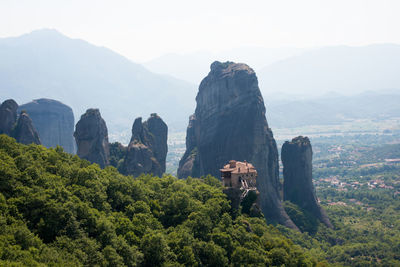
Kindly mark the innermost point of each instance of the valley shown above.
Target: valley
(363, 131)
(123, 184)
(356, 173)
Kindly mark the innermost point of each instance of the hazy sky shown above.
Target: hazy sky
(145, 29)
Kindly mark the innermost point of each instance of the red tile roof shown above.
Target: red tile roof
(241, 167)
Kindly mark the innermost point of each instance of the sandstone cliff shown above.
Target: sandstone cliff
(230, 123)
(298, 187)
(147, 150)
(24, 131)
(8, 116)
(91, 137)
(54, 121)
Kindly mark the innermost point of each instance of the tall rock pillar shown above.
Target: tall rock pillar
(229, 123)
(8, 116)
(298, 187)
(147, 150)
(91, 137)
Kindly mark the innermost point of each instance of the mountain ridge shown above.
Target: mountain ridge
(292, 70)
(343, 69)
(47, 64)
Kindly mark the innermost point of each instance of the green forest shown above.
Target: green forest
(59, 210)
(360, 190)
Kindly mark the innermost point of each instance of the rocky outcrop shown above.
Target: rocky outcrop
(24, 131)
(158, 129)
(91, 137)
(230, 123)
(21, 127)
(298, 187)
(8, 116)
(54, 121)
(147, 150)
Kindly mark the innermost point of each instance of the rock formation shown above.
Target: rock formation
(230, 123)
(54, 122)
(158, 129)
(24, 131)
(298, 187)
(8, 116)
(117, 154)
(91, 137)
(147, 150)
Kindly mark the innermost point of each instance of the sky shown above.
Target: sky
(145, 29)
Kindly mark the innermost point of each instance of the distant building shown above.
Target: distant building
(239, 175)
(239, 180)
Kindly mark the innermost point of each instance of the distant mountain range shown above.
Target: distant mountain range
(47, 64)
(341, 69)
(193, 67)
(302, 87)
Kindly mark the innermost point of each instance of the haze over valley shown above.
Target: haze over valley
(328, 85)
(210, 133)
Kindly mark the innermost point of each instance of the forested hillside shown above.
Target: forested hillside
(56, 209)
(357, 182)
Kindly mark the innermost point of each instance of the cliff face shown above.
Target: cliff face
(54, 122)
(24, 131)
(147, 150)
(91, 137)
(8, 116)
(230, 123)
(297, 172)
